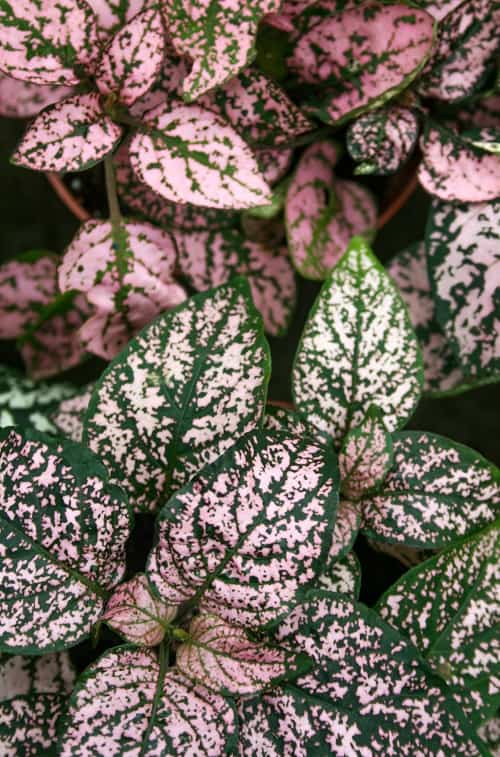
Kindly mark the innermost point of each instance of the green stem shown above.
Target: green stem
(163, 663)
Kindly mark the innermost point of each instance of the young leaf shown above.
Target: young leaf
(180, 394)
(382, 140)
(44, 43)
(343, 576)
(462, 253)
(250, 533)
(136, 614)
(448, 607)
(364, 56)
(210, 258)
(435, 492)
(72, 135)
(365, 457)
(127, 699)
(68, 415)
(24, 100)
(63, 532)
(322, 213)
(357, 349)
(189, 154)
(132, 60)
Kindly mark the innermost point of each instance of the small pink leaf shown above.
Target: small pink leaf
(365, 456)
(112, 15)
(273, 163)
(133, 58)
(136, 614)
(382, 140)
(72, 135)
(20, 99)
(221, 657)
(166, 89)
(192, 155)
(25, 287)
(68, 416)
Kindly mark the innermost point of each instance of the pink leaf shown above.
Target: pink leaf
(365, 456)
(112, 15)
(70, 136)
(133, 58)
(68, 417)
(382, 140)
(273, 163)
(20, 99)
(346, 529)
(166, 89)
(25, 287)
(192, 155)
(438, 8)
(44, 42)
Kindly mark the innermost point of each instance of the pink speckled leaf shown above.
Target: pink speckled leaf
(346, 529)
(132, 60)
(67, 417)
(210, 258)
(126, 273)
(364, 56)
(322, 213)
(180, 394)
(221, 657)
(274, 164)
(250, 533)
(342, 576)
(448, 607)
(189, 154)
(436, 491)
(357, 349)
(166, 89)
(63, 532)
(365, 457)
(113, 14)
(26, 286)
(136, 614)
(24, 100)
(72, 135)
(128, 700)
(381, 141)
(284, 420)
(368, 689)
(453, 169)
(46, 42)
(438, 8)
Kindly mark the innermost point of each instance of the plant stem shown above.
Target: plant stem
(111, 193)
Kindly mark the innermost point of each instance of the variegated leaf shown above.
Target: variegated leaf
(462, 243)
(133, 59)
(489, 733)
(436, 491)
(453, 169)
(45, 43)
(274, 163)
(368, 691)
(345, 531)
(189, 154)
(128, 700)
(210, 258)
(180, 394)
(365, 457)
(63, 532)
(381, 141)
(364, 56)
(72, 135)
(479, 112)
(357, 349)
(113, 14)
(136, 614)
(448, 607)
(24, 100)
(250, 533)
(343, 576)
(438, 9)
(167, 87)
(221, 657)
(67, 417)
(323, 213)
(284, 420)
(468, 39)
(218, 36)
(26, 286)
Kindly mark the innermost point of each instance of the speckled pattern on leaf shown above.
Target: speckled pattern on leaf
(436, 491)
(248, 535)
(345, 530)
(438, 8)
(180, 394)
(19, 99)
(357, 349)
(25, 287)
(382, 140)
(63, 538)
(365, 457)
(342, 576)
(67, 417)
(126, 697)
(112, 14)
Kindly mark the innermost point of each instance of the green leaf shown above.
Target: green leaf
(365, 457)
(343, 576)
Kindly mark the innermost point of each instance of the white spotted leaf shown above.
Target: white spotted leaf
(358, 348)
(365, 456)
(250, 533)
(342, 576)
(382, 140)
(345, 531)
(180, 394)
(63, 532)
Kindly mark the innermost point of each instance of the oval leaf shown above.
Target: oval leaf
(24, 100)
(365, 457)
(382, 140)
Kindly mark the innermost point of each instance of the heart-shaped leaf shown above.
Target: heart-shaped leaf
(250, 533)
(448, 608)
(382, 140)
(358, 348)
(462, 252)
(44, 43)
(364, 56)
(63, 532)
(435, 492)
(136, 614)
(218, 36)
(24, 100)
(343, 576)
(132, 60)
(365, 457)
(72, 135)
(210, 258)
(180, 394)
(128, 698)
(323, 213)
(68, 416)
(189, 154)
